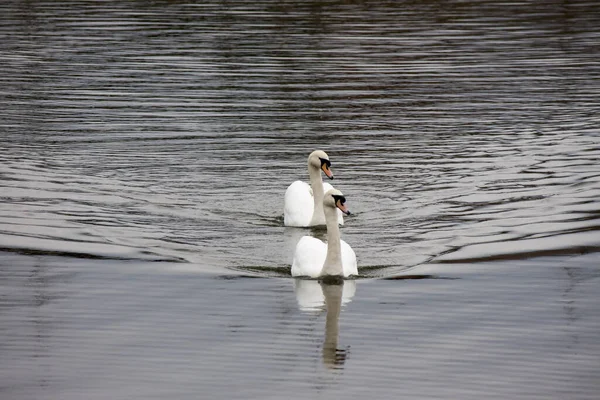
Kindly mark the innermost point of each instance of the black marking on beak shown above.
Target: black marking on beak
(339, 198)
(326, 167)
(339, 201)
(326, 162)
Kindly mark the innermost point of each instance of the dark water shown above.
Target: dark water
(145, 148)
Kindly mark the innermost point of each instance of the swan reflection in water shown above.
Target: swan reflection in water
(314, 297)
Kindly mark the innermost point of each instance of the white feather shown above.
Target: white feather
(310, 255)
(299, 204)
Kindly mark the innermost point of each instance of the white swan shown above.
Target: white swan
(313, 258)
(303, 204)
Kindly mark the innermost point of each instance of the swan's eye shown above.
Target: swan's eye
(339, 199)
(325, 162)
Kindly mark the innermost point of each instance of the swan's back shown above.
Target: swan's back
(310, 255)
(298, 205)
(349, 263)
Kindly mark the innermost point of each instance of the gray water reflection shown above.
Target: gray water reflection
(134, 330)
(313, 298)
(333, 357)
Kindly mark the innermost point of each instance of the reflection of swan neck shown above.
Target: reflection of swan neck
(316, 183)
(333, 302)
(333, 261)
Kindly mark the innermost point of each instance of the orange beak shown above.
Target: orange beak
(342, 207)
(327, 171)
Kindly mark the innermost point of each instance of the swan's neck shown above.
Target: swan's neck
(316, 183)
(333, 261)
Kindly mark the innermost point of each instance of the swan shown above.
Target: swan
(314, 258)
(303, 204)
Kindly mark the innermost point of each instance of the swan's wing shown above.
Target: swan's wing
(348, 260)
(309, 257)
(298, 205)
(326, 187)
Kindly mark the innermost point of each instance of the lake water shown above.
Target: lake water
(145, 148)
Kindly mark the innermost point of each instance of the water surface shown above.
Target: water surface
(145, 148)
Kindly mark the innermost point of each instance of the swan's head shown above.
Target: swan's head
(320, 160)
(334, 198)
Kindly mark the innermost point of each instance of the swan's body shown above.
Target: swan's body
(313, 258)
(303, 204)
(310, 256)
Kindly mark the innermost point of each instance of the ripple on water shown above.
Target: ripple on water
(181, 139)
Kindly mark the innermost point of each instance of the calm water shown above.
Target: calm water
(145, 148)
